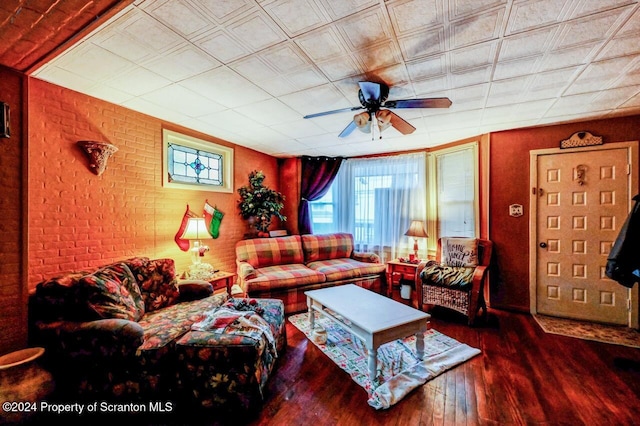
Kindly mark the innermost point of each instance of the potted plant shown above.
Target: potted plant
(259, 204)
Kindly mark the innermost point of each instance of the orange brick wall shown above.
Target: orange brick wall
(13, 311)
(80, 220)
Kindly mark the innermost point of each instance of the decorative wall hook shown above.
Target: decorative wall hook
(99, 153)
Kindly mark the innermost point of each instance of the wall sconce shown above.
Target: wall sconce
(99, 153)
(5, 130)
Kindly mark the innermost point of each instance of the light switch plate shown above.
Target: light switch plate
(516, 210)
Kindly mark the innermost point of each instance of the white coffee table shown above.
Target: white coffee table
(373, 318)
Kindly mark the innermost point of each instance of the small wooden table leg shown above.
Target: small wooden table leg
(373, 364)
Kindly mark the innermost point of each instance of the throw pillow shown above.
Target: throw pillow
(157, 280)
(111, 292)
(460, 252)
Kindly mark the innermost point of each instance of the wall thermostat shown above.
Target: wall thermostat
(516, 210)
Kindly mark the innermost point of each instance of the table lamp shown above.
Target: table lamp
(416, 230)
(195, 231)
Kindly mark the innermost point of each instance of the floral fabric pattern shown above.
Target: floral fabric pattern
(111, 292)
(157, 281)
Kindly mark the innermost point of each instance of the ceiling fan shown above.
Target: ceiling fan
(373, 97)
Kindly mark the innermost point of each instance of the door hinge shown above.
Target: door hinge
(629, 305)
(628, 169)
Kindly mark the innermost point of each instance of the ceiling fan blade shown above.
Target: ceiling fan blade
(347, 130)
(400, 124)
(419, 103)
(335, 111)
(370, 90)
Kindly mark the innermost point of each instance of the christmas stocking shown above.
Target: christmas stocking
(184, 244)
(213, 217)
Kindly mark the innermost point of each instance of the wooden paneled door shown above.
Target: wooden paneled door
(579, 200)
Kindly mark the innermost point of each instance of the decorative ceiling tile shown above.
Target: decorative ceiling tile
(256, 31)
(180, 16)
(471, 76)
(285, 57)
(422, 44)
(516, 67)
(473, 57)
(143, 28)
(226, 87)
(531, 43)
(599, 74)
(632, 26)
(590, 30)
(590, 7)
(379, 56)
(427, 68)
(182, 63)
(221, 46)
(340, 67)
(340, 8)
(223, 11)
(552, 84)
(269, 112)
(254, 68)
(528, 15)
(138, 81)
(564, 58)
(430, 87)
(93, 62)
(307, 78)
(296, 17)
(620, 46)
(322, 44)
(478, 29)
(507, 91)
(183, 100)
(408, 16)
(463, 8)
(366, 29)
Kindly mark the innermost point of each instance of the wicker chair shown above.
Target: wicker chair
(466, 299)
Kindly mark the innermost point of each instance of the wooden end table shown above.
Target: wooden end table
(397, 270)
(222, 280)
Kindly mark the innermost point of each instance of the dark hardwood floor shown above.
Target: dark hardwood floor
(523, 376)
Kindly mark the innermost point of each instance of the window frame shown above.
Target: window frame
(172, 137)
(433, 184)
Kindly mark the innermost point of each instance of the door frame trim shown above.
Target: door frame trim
(632, 152)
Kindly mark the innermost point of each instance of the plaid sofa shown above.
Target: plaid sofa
(125, 331)
(285, 267)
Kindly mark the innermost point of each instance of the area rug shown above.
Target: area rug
(399, 371)
(617, 335)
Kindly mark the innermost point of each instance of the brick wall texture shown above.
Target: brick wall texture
(80, 220)
(13, 311)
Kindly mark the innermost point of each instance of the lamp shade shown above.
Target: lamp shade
(196, 229)
(416, 229)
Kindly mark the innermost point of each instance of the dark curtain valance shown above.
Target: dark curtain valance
(317, 175)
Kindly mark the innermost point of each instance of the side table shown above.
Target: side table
(397, 270)
(222, 280)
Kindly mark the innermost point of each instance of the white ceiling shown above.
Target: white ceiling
(247, 71)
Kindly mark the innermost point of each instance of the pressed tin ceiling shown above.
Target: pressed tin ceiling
(247, 71)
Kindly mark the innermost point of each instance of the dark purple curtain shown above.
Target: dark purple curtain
(317, 175)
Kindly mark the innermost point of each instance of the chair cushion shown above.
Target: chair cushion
(438, 274)
(263, 252)
(460, 252)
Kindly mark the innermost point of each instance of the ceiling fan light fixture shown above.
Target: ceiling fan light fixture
(363, 122)
(384, 119)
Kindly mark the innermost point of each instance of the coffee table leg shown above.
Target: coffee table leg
(373, 363)
(312, 317)
(420, 345)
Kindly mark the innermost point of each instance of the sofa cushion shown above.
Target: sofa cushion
(329, 246)
(283, 276)
(262, 252)
(110, 292)
(345, 268)
(53, 298)
(164, 326)
(157, 281)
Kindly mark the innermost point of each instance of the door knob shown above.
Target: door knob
(543, 245)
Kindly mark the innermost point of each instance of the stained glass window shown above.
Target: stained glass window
(192, 163)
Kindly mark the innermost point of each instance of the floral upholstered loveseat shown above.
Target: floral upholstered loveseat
(127, 331)
(285, 267)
